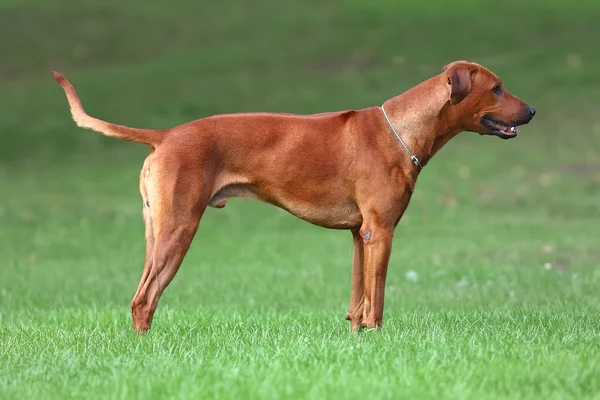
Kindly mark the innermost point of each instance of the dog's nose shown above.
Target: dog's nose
(531, 111)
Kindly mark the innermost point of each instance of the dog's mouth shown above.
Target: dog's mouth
(500, 129)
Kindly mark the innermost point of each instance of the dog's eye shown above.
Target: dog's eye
(497, 89)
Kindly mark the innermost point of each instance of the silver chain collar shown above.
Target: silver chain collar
(414, 159)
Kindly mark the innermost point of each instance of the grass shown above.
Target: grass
(474, 354)
(492, 290)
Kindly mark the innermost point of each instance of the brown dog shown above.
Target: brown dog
(351, 170)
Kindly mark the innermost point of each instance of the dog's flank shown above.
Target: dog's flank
(82, 119)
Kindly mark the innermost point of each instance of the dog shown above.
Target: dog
(354, 170)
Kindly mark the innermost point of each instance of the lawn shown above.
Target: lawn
(492, 290)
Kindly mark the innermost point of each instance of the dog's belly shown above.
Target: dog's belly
(325, 212)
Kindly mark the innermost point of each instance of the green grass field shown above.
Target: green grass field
(493, 285)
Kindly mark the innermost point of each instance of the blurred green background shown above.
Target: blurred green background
(497, 232)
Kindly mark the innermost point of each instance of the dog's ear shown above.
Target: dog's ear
(460, 77)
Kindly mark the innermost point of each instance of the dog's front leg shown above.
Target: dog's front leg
(357, 297)
(377, 249)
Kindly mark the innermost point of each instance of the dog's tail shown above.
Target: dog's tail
(82, 119)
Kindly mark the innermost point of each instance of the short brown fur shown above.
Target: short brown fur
(342, 170)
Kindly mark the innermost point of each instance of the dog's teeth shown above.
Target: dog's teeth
(512, 128)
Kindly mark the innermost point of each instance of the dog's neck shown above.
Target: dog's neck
(421, 121)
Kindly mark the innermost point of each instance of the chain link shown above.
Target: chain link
(413, 158)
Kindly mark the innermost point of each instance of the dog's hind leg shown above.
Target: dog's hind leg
(149, 232)
(176, 205)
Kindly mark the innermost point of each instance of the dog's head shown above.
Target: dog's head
(481, 104)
